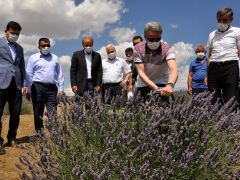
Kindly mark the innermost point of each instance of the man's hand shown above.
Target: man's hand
(24, 90)
(74, 89)
(130, 88)
(166, 91)
(205, 80)
(98, 89)
(123, 83)
(28, 96)
(60, 93)
(189, 91)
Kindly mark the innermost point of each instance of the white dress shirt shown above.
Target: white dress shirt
(88, 58)
(113, 70)
(224, 45)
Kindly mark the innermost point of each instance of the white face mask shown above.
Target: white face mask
(130, 59)
(112, 55)
(12, 37)
(200, 55)
(88, 49)
(153, 45)
(45, 50)
(222, 27)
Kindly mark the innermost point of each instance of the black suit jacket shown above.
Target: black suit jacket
(78, 70)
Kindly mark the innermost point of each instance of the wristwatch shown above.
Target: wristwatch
(170, 84)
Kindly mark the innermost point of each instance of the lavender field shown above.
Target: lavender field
(89, 139)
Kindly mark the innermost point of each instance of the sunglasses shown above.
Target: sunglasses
(153, 39)
(46, 45)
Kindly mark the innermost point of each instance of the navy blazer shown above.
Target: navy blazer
(7, 64)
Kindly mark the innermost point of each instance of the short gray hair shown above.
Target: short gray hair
(153, 26)
(225, 12)
(110, 46)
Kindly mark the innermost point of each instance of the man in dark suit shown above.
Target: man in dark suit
(86, 69)
(12, 75)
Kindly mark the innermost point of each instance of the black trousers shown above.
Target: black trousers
(114, 89)
(88, 88)
(43, 95)
(13, 96)
(223, 79)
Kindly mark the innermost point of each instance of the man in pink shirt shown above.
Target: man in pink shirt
(155, 62)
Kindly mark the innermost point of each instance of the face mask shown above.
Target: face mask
(130, 59)
(153, 45)
(88, 49)
(200, 55)
(222, 27)
(112, 55)
(45, 50)
(12, 37)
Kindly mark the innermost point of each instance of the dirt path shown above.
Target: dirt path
(8, 170)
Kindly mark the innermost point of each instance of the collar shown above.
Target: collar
(197, 61)
(45, 56)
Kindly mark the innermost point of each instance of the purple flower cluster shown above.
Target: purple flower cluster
(89, 139)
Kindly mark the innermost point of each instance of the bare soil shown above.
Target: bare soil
(8, 169)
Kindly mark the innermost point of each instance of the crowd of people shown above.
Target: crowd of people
(149, 67)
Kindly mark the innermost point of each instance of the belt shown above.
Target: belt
(220, 63)
(45, 84)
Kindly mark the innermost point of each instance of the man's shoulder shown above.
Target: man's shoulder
(120, 59)
(96, 53)
(78, 52)
(54, 56)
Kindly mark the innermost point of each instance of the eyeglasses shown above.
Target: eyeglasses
(45, 45)
(154, 39)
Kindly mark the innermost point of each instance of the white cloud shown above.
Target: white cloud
(121, 35)
(59, 19)
(184, 53)
(182, 77)
(65, 64)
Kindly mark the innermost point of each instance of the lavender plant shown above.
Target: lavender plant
(89, 139)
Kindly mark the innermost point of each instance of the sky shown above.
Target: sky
(185, 23)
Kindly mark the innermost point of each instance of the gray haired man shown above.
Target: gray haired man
(155, 63)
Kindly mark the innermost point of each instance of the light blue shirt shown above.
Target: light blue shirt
(45, 69)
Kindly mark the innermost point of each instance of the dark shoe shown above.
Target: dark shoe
(2, 150)
(1, 141)
(11, 142)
